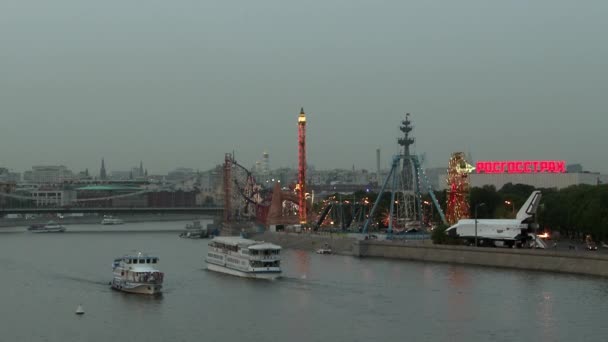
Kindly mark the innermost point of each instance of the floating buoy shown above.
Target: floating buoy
(79, 310)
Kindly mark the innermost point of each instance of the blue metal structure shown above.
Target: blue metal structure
(418, 177)
(431, 192)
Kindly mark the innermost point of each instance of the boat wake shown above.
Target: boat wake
(80, 279)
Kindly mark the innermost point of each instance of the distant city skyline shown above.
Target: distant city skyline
(181, 83)
(141, 170)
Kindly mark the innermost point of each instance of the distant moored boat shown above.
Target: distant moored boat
(109, 220)
(49, 227)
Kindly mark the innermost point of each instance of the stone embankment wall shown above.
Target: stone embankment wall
(339, 244)
(584, 262)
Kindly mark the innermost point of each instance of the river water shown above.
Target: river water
(321, 298)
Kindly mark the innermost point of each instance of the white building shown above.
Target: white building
(48, 174)
(53, 198)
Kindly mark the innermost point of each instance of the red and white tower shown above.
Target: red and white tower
(301, 186)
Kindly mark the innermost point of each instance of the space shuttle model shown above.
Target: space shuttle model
(516, 232)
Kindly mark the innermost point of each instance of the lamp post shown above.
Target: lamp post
(477, 206)
(512, 207)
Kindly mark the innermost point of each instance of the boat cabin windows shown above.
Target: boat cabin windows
(265, 252)
(255, 264)
(224, 246)
(141, 260)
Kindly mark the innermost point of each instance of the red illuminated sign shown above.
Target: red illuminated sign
(521, 166)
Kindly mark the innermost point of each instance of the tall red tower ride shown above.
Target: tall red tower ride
(301, 186)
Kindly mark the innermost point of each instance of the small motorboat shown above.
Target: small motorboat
(325, 250)
(110, 220)
(194, 230)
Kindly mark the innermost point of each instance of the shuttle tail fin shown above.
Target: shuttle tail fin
(530, 206)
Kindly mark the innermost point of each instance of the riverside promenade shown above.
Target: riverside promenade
(572, 262)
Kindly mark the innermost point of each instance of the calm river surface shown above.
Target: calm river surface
(321, 298)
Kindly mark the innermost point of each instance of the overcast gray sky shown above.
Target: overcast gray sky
(181, 82)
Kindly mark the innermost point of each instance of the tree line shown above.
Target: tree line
(574, 212)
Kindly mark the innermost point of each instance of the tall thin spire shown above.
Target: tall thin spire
(301, 186)
(102, 170)
(407, 141)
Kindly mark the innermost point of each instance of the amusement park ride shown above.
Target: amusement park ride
(408, 180)
(246, 200)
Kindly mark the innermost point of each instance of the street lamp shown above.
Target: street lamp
(477, 206)
(512, 206)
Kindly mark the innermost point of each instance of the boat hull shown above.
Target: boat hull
(253, 275)
(194, 235)
(111, 223)
(50, 230)
(139, 288)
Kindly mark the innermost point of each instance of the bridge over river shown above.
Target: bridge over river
(210, 211)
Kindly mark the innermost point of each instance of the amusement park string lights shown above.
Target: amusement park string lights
(458, 188)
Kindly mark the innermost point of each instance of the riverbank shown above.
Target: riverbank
(6, 223)
(572, 262)
(582, 262)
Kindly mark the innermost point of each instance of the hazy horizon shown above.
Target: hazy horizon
(178, 84)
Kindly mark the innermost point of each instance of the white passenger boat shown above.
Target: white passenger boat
(109, 220)
(137, 273)
(244, 258)
(50, 227)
